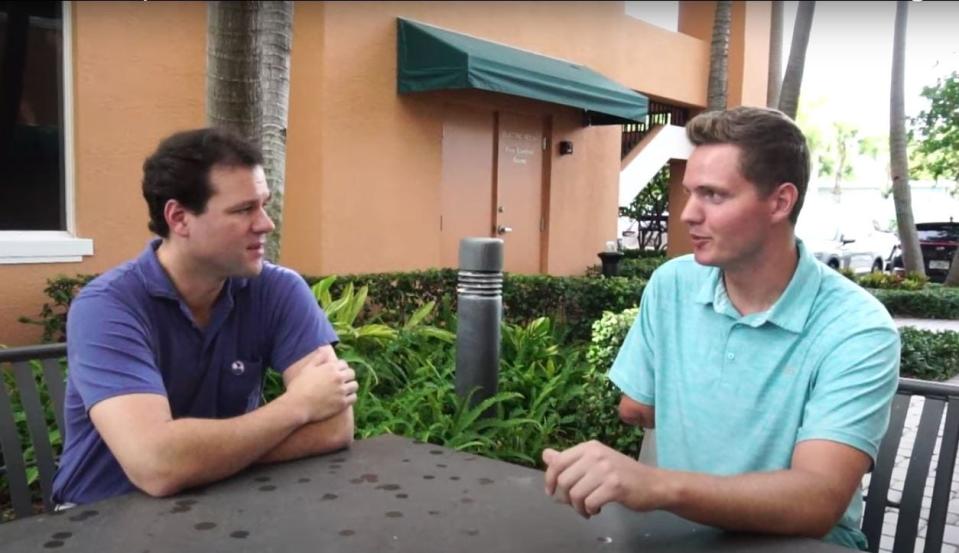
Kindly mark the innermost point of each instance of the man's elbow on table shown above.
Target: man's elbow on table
(155, 480)
(343, 435)
(159, 473)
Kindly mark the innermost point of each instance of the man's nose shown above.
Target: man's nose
(264, 223)
(691, 213)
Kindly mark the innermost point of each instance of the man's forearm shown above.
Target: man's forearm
(790, 502)
(318, 437)
(189, 452)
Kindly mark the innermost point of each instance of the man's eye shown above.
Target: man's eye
(711, 196)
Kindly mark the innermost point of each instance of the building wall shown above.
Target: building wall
(138, 75)
(363, 163)
(364, 136)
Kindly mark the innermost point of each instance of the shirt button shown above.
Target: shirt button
(730, 355)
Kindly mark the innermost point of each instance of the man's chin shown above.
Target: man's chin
(250, 270)
(704, 258)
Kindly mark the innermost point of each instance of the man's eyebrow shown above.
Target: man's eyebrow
(705, 187)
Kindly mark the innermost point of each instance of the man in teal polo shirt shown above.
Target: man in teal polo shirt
(767, 375)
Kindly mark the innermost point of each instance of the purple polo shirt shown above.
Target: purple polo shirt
(128, 332)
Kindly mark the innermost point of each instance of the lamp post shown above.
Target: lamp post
(479, 313)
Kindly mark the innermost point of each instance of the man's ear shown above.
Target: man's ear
(177, 218)
(783, 200)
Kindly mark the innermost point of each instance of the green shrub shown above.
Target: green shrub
(932, 302)
(642, 254)
(407, 373)
(887, 281)
(572, 303)
(53, 317)
(396, 295)
(929, 355)
(633, 267)
(601, 407)
(538, 404)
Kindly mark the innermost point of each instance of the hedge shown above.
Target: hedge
(573, 302)
(932, 302)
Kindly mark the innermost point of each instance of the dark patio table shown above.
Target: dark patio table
(385, 494)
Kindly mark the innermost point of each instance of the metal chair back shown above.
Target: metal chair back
(940, 412)
(20, 363)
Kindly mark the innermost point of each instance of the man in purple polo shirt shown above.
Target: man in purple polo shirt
(167, 352)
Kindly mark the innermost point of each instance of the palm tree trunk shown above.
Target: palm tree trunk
(719, 57)
(233, 91)
(902, 197)
(248, 85)
(792, 81)
(952, 277)
(774, 79)
(274, 43)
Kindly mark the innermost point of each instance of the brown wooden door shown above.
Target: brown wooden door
(519, 190)
(466, 192)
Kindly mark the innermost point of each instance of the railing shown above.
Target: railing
(659, 114)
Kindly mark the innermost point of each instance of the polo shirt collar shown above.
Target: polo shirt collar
(790, 311)
(158, 282)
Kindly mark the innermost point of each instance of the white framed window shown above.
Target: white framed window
(37, 220)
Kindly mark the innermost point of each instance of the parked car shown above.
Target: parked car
(938, 242)
(846, 242)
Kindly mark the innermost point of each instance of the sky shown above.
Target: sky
(849, 59)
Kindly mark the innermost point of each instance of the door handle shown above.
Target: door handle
(501, 229)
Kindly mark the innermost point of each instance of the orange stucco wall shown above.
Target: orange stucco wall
(350, 131)
(748, 46)
(363, 163)
(138, 75)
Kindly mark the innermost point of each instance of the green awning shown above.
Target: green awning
(430, 58)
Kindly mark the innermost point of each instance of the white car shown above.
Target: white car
(846, 243)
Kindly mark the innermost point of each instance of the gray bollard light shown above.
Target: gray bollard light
(479, 313)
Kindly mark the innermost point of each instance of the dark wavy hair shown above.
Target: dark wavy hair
(180, 170)
(772, 148)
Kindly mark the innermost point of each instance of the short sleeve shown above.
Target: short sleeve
(300, 325)
(850, 400)
(633, 370)
(108, 351)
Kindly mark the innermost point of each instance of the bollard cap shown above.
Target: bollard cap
(481, 254)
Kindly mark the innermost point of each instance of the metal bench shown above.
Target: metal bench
(21, 362)
(940, 400)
